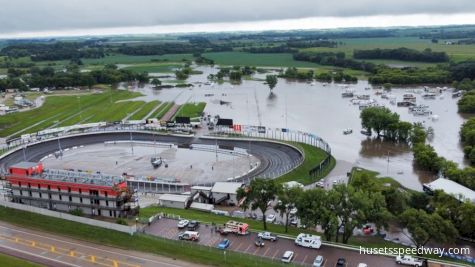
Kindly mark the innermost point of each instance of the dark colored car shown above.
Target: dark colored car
(193, 225)
(341, 262)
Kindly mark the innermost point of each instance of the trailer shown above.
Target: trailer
(237, 228)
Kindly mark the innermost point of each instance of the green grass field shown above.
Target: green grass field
(147, 108)
(182, 250)
(125, 59)
(456, 52)
(267, 60)
(65, 110)
(162, 110)
(313, 156)
(192, 110)
(9, 261)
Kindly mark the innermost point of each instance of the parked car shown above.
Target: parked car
(320, 184)
(408, 260)
(183, 223)
(368, 230)
(362, 265)
(259, 242)
(294, 222)
(193, 225)
(189, 235)
(270, 218)
(318, 262)
(267, 236)
(341, 262)
(293, 211)
(224, 244)
(288, 256)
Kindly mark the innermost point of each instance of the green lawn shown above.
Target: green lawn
(145, 110)
(313, 156)
(65, 109)
(162, 110)
(249, 59)
(192, 110)
(9, 261)
(182, 250)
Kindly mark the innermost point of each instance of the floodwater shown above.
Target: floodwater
(320, 109)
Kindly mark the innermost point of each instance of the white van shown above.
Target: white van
(308, 241)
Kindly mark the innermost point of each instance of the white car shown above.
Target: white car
(270, 218)
(408, 260)
(362, 265)
(288, 256)
(183, 223)
(267, 236)
(318, 262)
(320, 184)
(293, 211)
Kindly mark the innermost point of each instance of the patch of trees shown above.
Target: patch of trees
(463, 70)
(386, 123)
(49, 78)
(54, 51)
(234, 74)
(410, 75)
(402, 53)
(160, 49)
(466, 104)
(312, 43)
(467, 137)
(334, 59)
(294, 73)
(466, 42)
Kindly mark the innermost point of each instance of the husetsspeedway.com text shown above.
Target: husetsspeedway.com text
(414, 251)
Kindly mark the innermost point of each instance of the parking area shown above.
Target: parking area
(305, 256)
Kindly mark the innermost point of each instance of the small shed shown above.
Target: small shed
(225, 192)
(173, 201)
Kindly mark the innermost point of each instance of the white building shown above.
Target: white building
(225, 193)
(452, 188)
(173, 201)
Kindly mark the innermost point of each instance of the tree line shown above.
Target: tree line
(402, 53)
(336, 76)
(47, 77)
(54, 51)
(344, 208)
(337, 59)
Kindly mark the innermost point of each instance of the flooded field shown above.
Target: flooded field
(321, 109)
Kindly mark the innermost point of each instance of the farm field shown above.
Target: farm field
(154, 67)
(267, 60)
(455, 52)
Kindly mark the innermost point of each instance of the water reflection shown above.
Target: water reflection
(377, 147)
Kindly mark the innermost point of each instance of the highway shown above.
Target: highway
(273, 156)
(57, 251)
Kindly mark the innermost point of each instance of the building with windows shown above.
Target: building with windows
(94, 194)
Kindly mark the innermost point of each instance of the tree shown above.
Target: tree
(378, 119)
(271, 81)
(424, 227)
(258, 194)
(156, 82)
(315, 207)
(351, 207)
(288, 197)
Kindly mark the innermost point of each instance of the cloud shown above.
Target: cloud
(56, 15)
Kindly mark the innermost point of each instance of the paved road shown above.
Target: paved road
(273, 156)
(274, 250)
(60, 251)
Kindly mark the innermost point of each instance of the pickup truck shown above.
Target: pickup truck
(408, 260)
(267, 236)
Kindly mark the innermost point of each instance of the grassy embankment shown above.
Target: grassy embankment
(9, 261)
(170, 248)
(65, 110)
(164, 108)
(192, 110)
(147, 108)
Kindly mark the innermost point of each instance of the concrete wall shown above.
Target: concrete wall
(112, 226)
(172, 204)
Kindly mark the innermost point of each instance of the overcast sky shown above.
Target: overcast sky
(25, 18)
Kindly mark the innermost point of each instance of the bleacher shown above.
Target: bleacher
(81, 177)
